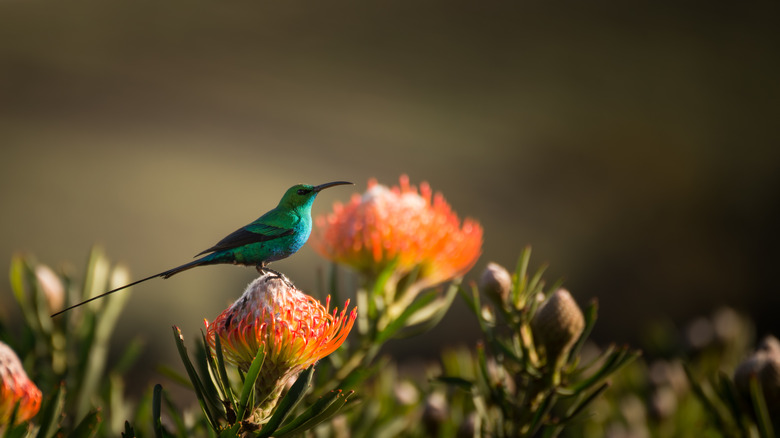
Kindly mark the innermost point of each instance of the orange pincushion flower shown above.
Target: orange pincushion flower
(398, 223)
(16, 387)
(293, 329)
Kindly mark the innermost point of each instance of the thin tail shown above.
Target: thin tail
(164, 274)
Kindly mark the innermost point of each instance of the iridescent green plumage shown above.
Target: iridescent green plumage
(277, 234)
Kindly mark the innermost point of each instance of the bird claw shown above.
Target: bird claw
(276, 274)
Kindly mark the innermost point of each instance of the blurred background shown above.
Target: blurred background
(635, 149)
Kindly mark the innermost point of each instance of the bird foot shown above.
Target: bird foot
(276, 274)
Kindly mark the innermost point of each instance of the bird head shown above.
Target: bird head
(302, 195)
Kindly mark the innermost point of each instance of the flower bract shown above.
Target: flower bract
(16, 388)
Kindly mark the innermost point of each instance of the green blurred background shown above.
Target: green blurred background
(635, 149)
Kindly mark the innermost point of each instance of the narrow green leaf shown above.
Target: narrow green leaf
(231, 432)
(13, 431)
(157, 411)
(537, 421)
(16, 431)
(88, 426)
(535, 284)
(322, 410)
(129, 431)
(398, 323)
(521, 279)
(728, 393)
(359, 375)
(697, 389)
(288, 402)
(249, 384)
(222, 372)
(207, 367)
(196, 382)
(763, 420)
(579, 407)
(97, 355)
(456, 381)
(618, 359)
(471, 302)
(50, 414)
(407, 280)
(429, 316)
(591, 315)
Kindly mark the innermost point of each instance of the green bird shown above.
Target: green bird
(273, 236)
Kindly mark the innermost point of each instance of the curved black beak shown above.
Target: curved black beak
(331, 184)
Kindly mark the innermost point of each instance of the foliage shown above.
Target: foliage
(516, 382)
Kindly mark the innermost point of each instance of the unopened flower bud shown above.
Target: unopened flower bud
(16, 387)
(770, 345)
(496, 282)
(52, 288)
(435, 413)
(557, 324)
(663, 402)
(406, 394)
(763, 365)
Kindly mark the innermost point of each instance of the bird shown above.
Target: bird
(275, 235)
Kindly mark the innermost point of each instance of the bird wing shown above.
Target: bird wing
(252, 233)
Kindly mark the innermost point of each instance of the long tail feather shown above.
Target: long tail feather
(164, 274)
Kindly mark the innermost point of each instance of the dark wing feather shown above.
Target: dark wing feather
(252, 233)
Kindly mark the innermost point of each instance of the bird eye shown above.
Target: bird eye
(303, 191)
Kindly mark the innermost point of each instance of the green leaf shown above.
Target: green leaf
(591, 315)
(17, 431)
(231, 432)
(697, 389)
(472, 300)
(49, 417)
(429, 316)
(207, 367)
(157, 411)
(537, 421)
(97, 352)
(619, 358)
(400, 322)
(322, 410)
(727, 392)
(288, 402)
(249, 384)
(763, 420)
(196, 382)
(521, 279)
(129, 431)
(222, 372)
(359, 375)
(88, 426)
(460, 382)
(579, 407)
(17, 276)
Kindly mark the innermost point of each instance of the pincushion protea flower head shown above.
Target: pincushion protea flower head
(16, 387)
(399, 224)
(293, 329)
